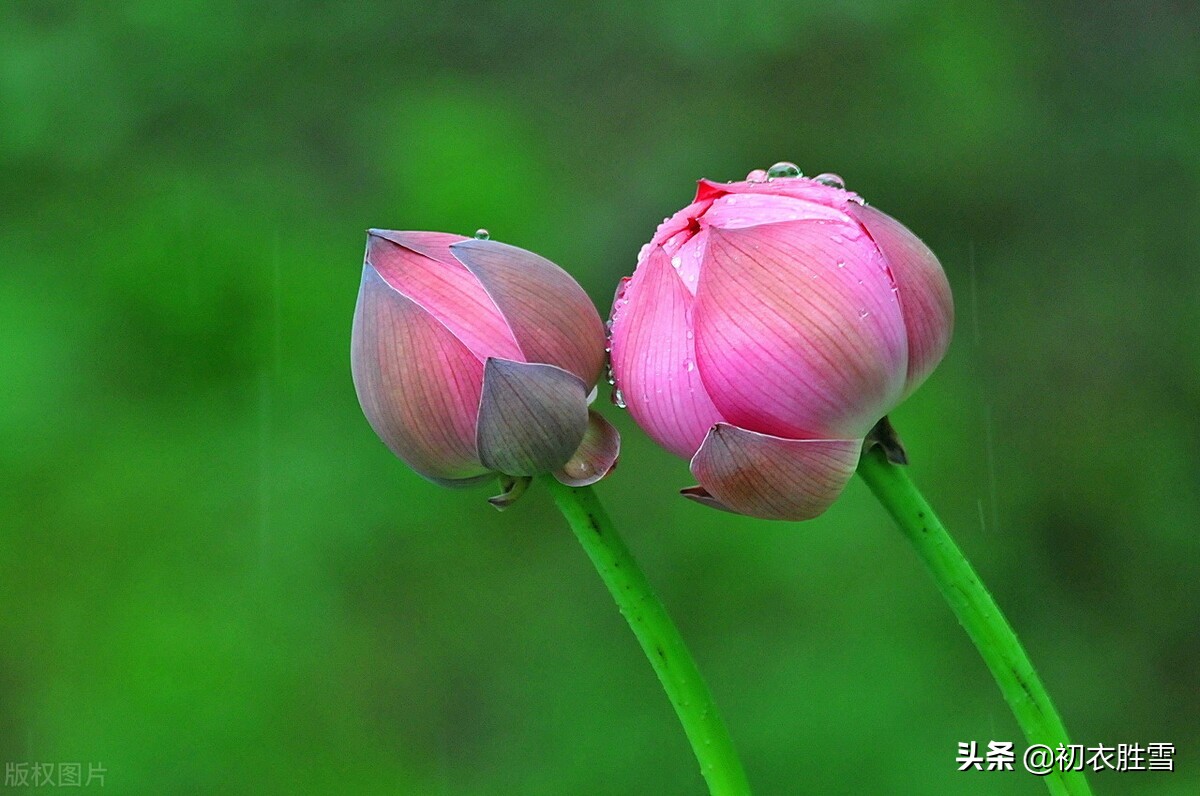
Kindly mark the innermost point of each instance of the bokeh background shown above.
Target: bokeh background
(215, 579)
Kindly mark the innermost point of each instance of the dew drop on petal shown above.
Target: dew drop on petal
(758, 175)
(579, 468)
(676, 262)
(784, 169)
(689, 366)
(832, 180)
(482, 234)
(617, 398)
(841, 264)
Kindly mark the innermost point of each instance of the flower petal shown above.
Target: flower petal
(925, 296)
(735, 210)
(699, 494)
(550, 315)
(419, 265)
(595, 457)
(797, 187)
(654, 358)
(770, 477)
(532, 417)
(798, 331)
(418, 385)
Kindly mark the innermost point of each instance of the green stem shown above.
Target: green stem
(976, 611)
(658, 636)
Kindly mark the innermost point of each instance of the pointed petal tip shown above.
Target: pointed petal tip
(698, 494)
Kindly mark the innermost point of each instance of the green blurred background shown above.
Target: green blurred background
(214, 578)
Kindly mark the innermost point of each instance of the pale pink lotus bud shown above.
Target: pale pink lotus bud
(768, 326)
(471, 358)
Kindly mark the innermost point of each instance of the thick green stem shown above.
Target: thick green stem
(976, 611)
(658, 636)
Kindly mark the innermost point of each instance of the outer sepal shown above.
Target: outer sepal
(595, 457)
(532, 417)
(772, 477)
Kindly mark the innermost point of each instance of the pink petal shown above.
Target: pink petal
(796, 187)
(595, 457)
(550, 315)
(925, 296)
(735, 210)
(770, 477)
(419, 265)
(532, 417)
(654, 358)
(418, 384)
(687, 257)
(792, 344)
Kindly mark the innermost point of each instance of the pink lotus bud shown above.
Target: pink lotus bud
(472, 357)
(768, 326)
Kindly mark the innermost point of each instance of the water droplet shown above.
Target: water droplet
(676, 262)
(689, 366)
(758, 175)
(841, 264)
(579, 468)
(482, 234)
(784, 169)
(689, 334)
(733, 200)
(832, 180)
(863, 313)
(617, 398)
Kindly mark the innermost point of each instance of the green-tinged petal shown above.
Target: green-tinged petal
(532, 417)
(512, 487)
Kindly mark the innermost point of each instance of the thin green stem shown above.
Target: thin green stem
(658, 636)
(977, 612)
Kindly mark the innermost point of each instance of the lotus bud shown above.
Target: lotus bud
(472, 358)
(767, 328)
